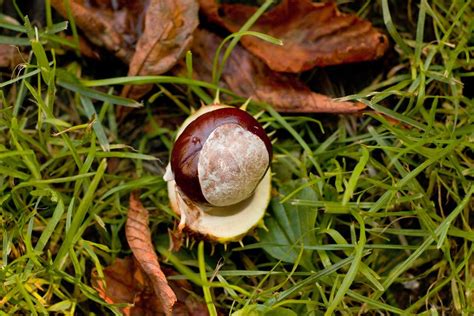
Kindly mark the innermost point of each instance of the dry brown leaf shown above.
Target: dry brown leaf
(125, 283)
(188, 304)
(139, 239)
(167, 34)
(247, 76)
(176, 238)
(115, 28)
(85, 47)
(10, 56)
(313, 34)
(150, 36)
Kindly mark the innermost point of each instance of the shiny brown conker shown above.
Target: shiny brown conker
(220, 157)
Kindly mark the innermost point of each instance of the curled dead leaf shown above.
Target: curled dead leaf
(85, 47)
(139, 239)
(247, 76)
(188, 304)
(313, 34)
(150, 36)
(114, 25)
(167, 34)
(125, 282)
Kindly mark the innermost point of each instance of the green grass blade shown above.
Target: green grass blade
(353, 270)
(17, 41)
(359, 168)
(202, 272)
(78, 217)
(97, 95)
(96, 125)
(395, 273)
(391, 28)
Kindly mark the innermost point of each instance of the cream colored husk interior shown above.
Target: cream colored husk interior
(223, 224)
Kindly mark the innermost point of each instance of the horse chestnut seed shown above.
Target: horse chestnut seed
(220, 157)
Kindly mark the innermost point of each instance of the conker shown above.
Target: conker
(220, 157)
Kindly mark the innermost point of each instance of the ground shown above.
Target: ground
(371, 212)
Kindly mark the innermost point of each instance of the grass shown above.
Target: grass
(373, 212)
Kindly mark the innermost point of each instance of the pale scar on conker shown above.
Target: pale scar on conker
(221, 157)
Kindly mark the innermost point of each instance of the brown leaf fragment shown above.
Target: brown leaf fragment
(176, 239)
(188, 303)
(149, 35)
(247, 76)
(139, 239)
(115, 25)
(10, 56)
(167, 34)
(126, 283)
(313, 34)
(86, 49)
